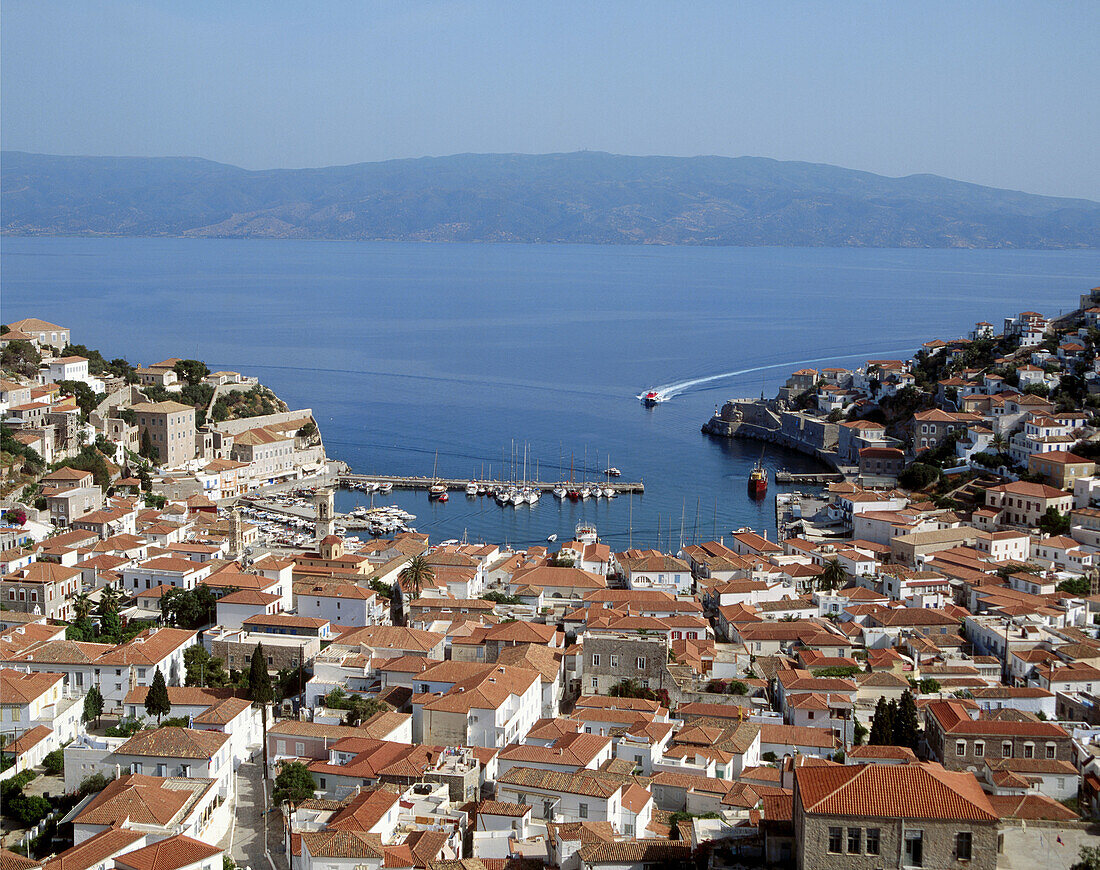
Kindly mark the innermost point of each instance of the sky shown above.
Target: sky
(997, 93)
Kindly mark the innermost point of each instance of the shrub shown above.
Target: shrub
(96, 782)
(54, 762)
(918, 476)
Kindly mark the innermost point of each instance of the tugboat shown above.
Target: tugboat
(758, 479)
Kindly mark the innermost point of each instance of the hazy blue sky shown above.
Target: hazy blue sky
(1000, 93)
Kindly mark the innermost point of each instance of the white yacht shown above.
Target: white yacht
(559, 492)
(532, 495)
(471, 488)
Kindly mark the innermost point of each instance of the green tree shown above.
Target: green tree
(54, 762)
(21, 357)
(859, 732)
(202, 668)
(93, 705)
(157, 702)
(918, 476)
(260, 691)
(93, 783)
(191, 370)
(82, 606)
(1079, 586)
(86, 397)
(906, 726)
(882, 724)
(416, 574)
(1053, 522)
(294, 784)
(833, 575)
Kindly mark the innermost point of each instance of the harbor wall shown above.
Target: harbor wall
(794, 430)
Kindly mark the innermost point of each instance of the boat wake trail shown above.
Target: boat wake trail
(668, 391)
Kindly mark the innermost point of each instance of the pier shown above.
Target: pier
(349, 481)
(822, 479)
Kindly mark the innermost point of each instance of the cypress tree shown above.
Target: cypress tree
(93, 704)
(259, 689)
(156, 701)
(882, 724)
(906, 723)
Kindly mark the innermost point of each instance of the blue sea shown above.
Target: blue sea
(405, 351)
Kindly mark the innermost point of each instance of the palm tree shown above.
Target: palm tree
(82, 606)
(416, 574)
(833, 575)
(999, 443)
(109, 599)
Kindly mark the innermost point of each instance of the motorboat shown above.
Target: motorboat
(559, 491)
(613, 472)
(551, 538)
(385, 488)
(471, 489)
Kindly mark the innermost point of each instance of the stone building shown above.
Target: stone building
(862, 817)
(608, 660)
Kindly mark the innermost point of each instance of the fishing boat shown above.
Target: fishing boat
(758, 479)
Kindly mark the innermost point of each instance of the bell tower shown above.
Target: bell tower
(324, 501)
(236, 535)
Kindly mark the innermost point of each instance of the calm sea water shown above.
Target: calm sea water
(408, 350)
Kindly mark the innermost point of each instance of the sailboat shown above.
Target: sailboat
(437, 490)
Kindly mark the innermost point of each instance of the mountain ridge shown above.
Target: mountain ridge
(570, 197)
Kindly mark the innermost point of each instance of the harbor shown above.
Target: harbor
(363, 481)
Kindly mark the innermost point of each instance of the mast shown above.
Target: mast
(683, 506)
(630, 524)
(695, 527)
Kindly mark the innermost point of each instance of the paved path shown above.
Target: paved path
(248, 838)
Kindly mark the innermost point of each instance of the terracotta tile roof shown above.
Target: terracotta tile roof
(583, 783)
(342, 844)
(223, 712)
(1031, 806)
(583, 832)
(151, 647)
(14, 861)
(96, 849)
(170, 854)
(172, 742)
(364, 811)
(143, 800)
(872, 752)
(499, 808)
(27, 740)
(911, 791)
(19, 688)
(636, 851)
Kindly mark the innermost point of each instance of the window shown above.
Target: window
(641, 663)
(836, 836)
(914, 849)
(322, 782)
(979, 749)
(855, 836)
(963, 845)
(1050, 750)
(595, 660)
(595, 683)
(614, 661)
(960, 747)
(872, 841)
(582, 811)
(1029, 750)
(300, 749)
(1006, 749)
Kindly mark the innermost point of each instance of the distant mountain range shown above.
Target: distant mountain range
(584, 197)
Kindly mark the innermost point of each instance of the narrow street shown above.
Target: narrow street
(248, 837)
